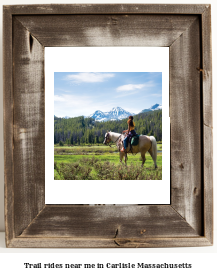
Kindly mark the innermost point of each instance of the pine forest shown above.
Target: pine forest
(81, 130)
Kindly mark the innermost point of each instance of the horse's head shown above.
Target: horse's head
(107, 138)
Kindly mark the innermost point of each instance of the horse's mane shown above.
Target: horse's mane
(115, 133)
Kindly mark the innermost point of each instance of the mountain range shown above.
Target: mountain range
(152, 108)
(117, 113)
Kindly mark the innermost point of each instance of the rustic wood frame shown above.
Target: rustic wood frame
(188, 220)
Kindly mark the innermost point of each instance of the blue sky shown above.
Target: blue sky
(82, 93)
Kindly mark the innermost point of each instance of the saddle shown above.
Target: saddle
(135, 140)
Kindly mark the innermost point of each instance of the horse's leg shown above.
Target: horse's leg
(153, 157)
(121, 156)
(143, 158)
(125, 158)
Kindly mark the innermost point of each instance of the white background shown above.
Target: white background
(203, 258)
(109, 59)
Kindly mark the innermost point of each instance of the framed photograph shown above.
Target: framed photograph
(78, 76)
(82, 163)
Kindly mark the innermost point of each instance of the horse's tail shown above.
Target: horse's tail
(153, 150)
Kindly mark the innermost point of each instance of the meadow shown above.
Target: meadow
(99, 162)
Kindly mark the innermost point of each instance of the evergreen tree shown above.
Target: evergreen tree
(80, 130)
(61, 143)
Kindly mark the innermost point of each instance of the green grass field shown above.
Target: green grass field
(102, 162)
(95, 149)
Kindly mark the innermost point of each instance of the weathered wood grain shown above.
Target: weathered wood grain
(207, 118)
(62, 242)
(207, 66)
(109, 222)
(29, 223)
(107, 30)
(208, 183)
(107, 9)
(186, 133)
(8, 125)
(29, 130)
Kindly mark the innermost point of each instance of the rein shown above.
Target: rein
(113, 142)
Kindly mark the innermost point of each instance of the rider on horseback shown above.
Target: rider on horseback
(130, 132)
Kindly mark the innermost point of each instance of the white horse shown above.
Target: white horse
(146, 144)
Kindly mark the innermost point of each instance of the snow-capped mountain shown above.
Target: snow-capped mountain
(117, 113)
(98, 115)
(152, 108)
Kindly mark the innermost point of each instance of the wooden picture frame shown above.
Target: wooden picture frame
(186, 30)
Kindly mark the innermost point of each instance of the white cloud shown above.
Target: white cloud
(126, 94)
(89, 77)
(74, 105)
(131, 87)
